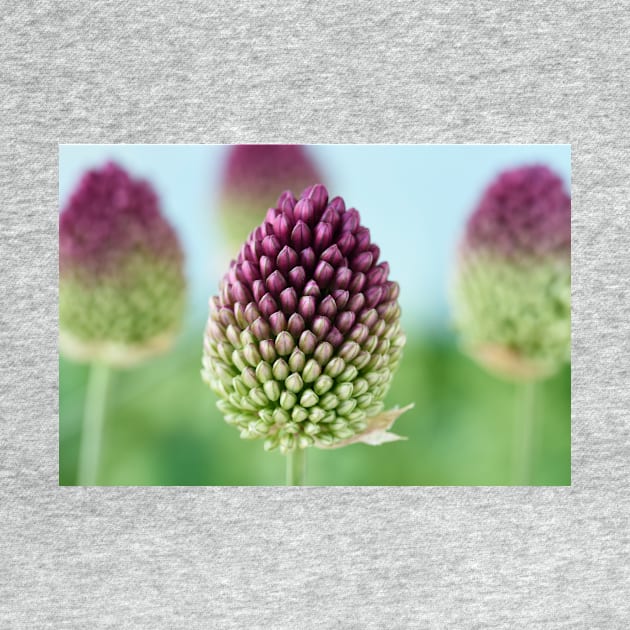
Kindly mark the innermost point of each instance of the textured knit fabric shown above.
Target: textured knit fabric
(399, 72)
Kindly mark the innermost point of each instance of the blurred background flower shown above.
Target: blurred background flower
(121, 282)
(163, 427)
(253, 177)
(512, 293)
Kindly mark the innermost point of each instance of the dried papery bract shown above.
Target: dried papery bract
(304, 337)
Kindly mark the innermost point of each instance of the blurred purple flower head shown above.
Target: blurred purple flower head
(121, 280)
(109, 216)
(524, 212)
(254, 173)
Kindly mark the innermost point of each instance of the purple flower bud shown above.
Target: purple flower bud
(343, 277)
(357, 283)
(337, 204)
(297, 278)
(335, 337)
(276, 283)
(288, 300)
(250, 272)
(260, 232)
(333, 256)
(362, 262)
(307, 306)
(271, 215)
(308, 259)
(350, 221)
(378, 275)
(309, 299)
(240, 293)
(319, 196)
(332, 217)
(286, 203)
(258, 290)
(362, 239)
(369, 318)
(321, 326)
(345, 321)
(349, 350)
(271, 246)
(356, 303)
(359, 333)
(296, 325)
(278, 322)
(267, 266)
(324, 273)
(267, 305)
(373, 296)
(328, 307)
(226, 316)
(301, 235)
(287, 259)
(308, 341)
(251, 312)
(346, 243)
(304, 211)
(312, 288)
(261, 328)
(341, 298)
(323, 236)
(254, 250)
(282, 226)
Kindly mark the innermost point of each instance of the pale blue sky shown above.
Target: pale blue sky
(414, 198)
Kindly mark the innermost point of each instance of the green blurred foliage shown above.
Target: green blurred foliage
(162, 428)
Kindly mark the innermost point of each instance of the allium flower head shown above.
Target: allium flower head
(304, 337)
(253, 175)
(121, 283)
(513, 287)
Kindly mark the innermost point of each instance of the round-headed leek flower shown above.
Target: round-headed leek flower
(304, 337)
(253, 175)
(512, 297)
(121, 282)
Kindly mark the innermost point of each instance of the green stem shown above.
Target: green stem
(523, 432)
(93, 420)
(296, 467)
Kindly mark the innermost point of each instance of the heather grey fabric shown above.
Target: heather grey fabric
(322, 557)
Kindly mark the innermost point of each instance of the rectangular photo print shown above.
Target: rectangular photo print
(316, 315)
